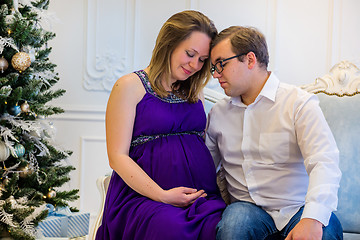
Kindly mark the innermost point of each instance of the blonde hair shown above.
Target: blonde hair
(175, 30)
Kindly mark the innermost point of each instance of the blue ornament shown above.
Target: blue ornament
(14, 110)
(19, 151)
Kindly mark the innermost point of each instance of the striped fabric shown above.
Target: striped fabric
(74, 225)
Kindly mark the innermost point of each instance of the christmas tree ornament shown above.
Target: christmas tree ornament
(49, 131)
(5, 91)
(4, 151)
(25, 171)
(51, 194)
(21, 61)
(6, 181)
(31, 51)
(3, 64)
(25, 107)
(14, 110)
(19, 151)
(9, 19)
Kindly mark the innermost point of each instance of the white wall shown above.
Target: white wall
(99, 41)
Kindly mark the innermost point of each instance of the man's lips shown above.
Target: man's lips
(222, 83)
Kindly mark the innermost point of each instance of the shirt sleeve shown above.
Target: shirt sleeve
(211, 142)
(321, 160)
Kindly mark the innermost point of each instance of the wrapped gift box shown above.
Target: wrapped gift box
(63, 223)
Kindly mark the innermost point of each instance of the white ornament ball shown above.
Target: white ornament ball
(3, 64)
(9, 19)
(32, 55)
(4, 152)
(21, 61)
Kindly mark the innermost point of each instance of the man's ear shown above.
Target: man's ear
(251, 57)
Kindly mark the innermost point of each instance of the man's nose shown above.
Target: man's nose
(216, 74)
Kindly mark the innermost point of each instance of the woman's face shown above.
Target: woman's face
(189, 56)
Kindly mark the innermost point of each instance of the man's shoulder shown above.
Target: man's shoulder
(294, 96)
(295, 91)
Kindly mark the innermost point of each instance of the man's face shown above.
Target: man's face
(234, 78)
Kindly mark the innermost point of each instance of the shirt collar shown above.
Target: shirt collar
(237, 101)
(269, 91)
(270, 88)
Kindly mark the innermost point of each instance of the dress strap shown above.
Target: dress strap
(143, 138)
(170, 98)
(145, 80)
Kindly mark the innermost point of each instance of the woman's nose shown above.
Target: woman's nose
(195, 64)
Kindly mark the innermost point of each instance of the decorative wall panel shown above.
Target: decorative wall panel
(108, 43)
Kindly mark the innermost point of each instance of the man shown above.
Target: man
(277, 150)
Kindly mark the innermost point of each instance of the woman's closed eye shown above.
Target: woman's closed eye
(202, 59)
(190, 54)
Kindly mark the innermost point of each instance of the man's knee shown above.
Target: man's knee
(241, 220)
(242, 213)
(334, 230)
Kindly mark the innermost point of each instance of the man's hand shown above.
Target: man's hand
(306, 229)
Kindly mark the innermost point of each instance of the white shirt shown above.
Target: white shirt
(277, 152)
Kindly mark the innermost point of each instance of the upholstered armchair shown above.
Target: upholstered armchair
(339, 95)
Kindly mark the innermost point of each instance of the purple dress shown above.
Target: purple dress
(167, 144)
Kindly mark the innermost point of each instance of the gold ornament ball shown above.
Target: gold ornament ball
(3, 64)
(25, 107)
(51, 194)
(25, 171)
(6, 181)
(21, 61)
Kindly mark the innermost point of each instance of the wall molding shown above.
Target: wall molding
(81, 113)
(83, 163)
(107, 53)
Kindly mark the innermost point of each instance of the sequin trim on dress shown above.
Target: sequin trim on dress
(143, 139)
(170, 98)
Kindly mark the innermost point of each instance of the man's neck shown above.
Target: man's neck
(259, 80)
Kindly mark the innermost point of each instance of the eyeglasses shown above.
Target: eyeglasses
(219, 67)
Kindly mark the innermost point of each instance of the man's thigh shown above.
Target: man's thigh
(244, 220)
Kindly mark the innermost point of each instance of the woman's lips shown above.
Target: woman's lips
(186, 71)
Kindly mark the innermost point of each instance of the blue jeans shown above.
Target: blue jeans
(244, 220)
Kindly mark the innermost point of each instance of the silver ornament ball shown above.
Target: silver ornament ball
(4, 151)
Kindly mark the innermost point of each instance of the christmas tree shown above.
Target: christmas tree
(32, 167)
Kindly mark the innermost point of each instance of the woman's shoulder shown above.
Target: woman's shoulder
(129, 85)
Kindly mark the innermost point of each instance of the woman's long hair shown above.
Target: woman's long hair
(175, 30)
